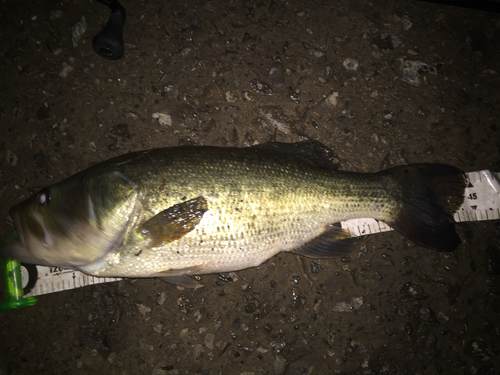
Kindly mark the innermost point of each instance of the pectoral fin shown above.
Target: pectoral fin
(174, 222)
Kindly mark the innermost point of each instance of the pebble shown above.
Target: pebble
(11, 158)
(162, 297)
(209, 341)
(294, 94)
(197, 315)
(163, 118)
(412, 71)
(158, 327)
(351, 64)
(55, 14)
(349, 305)
(231, 97)
(260, 87)
(145, 346)
(65, 70)
(120, 130)
(78, 30)
(277, 75)
(112, 357)
(316, 267)
(143, 309)
(413, 290)
(198, 350)
(332, 99)
(275, 117)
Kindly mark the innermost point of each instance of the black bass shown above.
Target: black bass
(181, 211)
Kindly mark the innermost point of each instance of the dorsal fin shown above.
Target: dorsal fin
(312, 151)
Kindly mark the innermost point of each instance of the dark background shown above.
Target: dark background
(236, 73)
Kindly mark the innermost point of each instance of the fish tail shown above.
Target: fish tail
(429, 195)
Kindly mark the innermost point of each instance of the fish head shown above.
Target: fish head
(72, 223)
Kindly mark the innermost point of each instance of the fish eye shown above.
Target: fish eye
(43, 197)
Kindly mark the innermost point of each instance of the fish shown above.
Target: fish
(175, 212)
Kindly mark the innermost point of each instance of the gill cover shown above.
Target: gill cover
(74, 222)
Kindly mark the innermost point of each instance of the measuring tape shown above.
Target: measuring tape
(482, 203)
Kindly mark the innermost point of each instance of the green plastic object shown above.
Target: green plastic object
(14, 284)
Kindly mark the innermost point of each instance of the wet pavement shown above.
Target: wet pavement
(382, 83)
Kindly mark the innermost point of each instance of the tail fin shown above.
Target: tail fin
(430, 194)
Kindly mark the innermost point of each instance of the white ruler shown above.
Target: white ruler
(482, 203)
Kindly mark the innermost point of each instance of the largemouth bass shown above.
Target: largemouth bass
(181, 211)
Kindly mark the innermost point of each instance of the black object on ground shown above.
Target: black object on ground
(108, 43)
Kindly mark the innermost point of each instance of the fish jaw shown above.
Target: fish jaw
(17, 250)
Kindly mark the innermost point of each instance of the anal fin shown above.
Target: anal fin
(334, 242)
(179, 276)
(183, 280)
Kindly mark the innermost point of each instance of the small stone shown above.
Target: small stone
(231, 97)
(11, 158)
(316, 267)
(294, 94)
(413, 290)
(260, 87)
(332, 99)
(209, 341)
(198, 350)
(120, 130)
(349, 305)
(78, 30)
(351, 64)
(162, 297)
(65, 70)
(112, 357)
(277, 75)
(143, 309)
(275, 117)
(55, 14)
(197, 316)
(163, 118)
(158, 328)
(145, 346)
(407, 24)
(412, 71)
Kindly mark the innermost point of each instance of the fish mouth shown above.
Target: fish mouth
(31, 227)
(16, 218)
